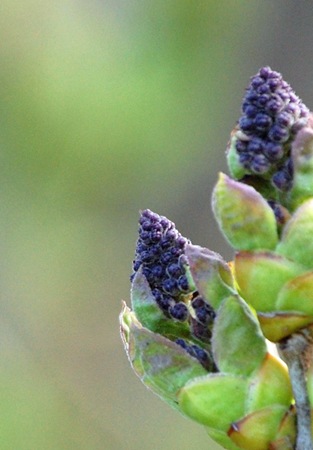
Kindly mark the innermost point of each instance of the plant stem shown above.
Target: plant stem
(296, 351)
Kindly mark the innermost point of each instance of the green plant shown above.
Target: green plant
(199, 329)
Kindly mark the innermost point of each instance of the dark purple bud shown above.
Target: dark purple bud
(169, 286)
(285, 119)
(263, 122)
(250, 110)
(198, 302)
(164, 302)
(256, 82)
(174, 270)
(260, 164)
(179, 312)
(181, 342)
(263, 89)
(157, 271)
(245, 160)
(264, 72)
(155, 236)
(255, 146)
(136, 265)
(251, 96)
(263, 100)
(246, 124)
(182, 283)
(281, 213)
(181, 242)
(282, 180)
(204, 312)
(278, 134)
(274, 105)
(241, 146)
(166, 258)
(274, 152)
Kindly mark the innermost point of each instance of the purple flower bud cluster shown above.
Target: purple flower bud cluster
(203, 356)
(272, 115)
(160, 254)
(202, 323)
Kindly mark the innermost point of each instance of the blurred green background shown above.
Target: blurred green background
(108, 107)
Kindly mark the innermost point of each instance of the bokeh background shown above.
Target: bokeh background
(108, 107)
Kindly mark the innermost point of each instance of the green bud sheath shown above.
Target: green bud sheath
(211, 274)
(244, 216)
(302, 155)
(278, 325)
(261, 275)
(236, 169)
(269, 385)
(236, 334)
(144, 305)
(215, 401)
(149, 314)
(258, 429)
(297, 242)
(286, 435)
(297, 295)
(162, 365)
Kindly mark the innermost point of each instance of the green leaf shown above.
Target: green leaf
(244, 216)
(269, 385)
(285, 438)
(211, 274)
(161, 364)
(260, 277)
(149, 314)
(238, 343)
(258, 429)
(236, 169)
(215, 401)
(297, 295)
(278, 325)
(302, 155)
(143, 303)
(297, 238)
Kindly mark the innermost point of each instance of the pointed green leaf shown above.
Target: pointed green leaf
(286, 436)
(161, 364)
(149, 314)
(302, 155)
(236, 169)
(244, 216)
(261, 275)
(238, 343)
(270, 385)
(297, 295)
(296, 242)
(211, 274)
(258, 429)
(215, 401)
(143, 303)
(278, 325)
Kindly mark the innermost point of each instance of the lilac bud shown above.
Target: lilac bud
(272, 116)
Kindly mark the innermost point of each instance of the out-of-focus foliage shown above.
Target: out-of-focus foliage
(108, 107)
